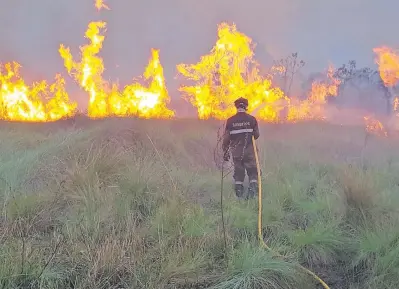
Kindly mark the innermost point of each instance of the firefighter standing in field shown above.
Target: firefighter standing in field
(238, 140)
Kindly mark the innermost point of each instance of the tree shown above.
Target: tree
(288, 67)
(349, 74)
(345, 74)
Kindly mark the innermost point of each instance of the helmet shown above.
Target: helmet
(241, 103)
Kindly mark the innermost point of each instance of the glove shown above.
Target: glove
(226, 157)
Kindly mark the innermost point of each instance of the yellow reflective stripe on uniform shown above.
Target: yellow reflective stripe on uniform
(243, 130)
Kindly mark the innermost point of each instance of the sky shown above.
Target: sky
(320, 31)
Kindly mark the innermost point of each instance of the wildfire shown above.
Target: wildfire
(227, 73)
(388, 62)
(38, 103)
(105, 98)
(374, 126)
(314, 106)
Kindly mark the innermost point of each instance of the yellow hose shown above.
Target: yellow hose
(260, 235)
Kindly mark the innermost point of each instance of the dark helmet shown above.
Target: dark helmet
(241, 103)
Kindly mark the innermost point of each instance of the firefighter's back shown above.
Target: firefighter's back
(241, 127)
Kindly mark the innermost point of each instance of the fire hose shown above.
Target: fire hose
(260, 235)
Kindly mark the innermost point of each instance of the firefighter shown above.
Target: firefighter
(238, 140)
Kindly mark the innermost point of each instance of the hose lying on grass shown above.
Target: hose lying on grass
(260, 235)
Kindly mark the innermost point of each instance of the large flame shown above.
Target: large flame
(105, 98)
(227, 73)
(38, 103)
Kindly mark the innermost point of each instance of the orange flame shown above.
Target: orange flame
(388, 65)
(374, 126)
(227, 73)
(20, 102)
(105, 98)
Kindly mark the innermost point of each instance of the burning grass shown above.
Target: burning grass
(124, 203)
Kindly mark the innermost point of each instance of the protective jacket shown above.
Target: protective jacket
(238, 139)
(238, 134)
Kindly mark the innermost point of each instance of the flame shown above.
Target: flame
(388, 65)
(105, 99)
(374, 126)
(20, 102)
(314, 106)
(227, 73)
(100, 4)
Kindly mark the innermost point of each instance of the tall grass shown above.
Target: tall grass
(124, 203)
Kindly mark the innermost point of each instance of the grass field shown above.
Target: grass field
(124, 203)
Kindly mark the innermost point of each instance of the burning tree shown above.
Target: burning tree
(388, 67)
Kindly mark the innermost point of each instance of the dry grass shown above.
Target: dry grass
(127, 203)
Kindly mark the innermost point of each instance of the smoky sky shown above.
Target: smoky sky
(183, 30)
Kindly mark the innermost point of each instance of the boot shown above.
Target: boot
(252, 190)
(239, 188)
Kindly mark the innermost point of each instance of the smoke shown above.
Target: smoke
(183, 30)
